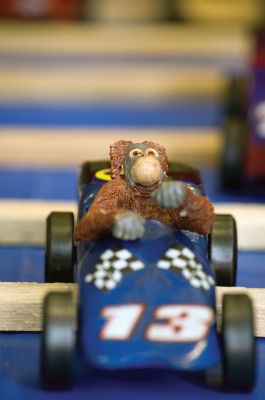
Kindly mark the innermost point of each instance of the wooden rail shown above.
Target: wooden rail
(23, 222)
(73, 38)
(60, 148)
(21, 304)
(95, 84)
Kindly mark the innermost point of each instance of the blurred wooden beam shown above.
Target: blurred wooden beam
(21, 304)
(76, 38)
(23, 222)
(238, 12)
(67, 147)
(121, 11)
(250, 220)
(101, 83)
(243, 13)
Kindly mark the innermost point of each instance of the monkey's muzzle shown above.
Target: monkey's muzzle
(146, 170)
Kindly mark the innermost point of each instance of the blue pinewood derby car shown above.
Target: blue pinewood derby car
(147, 303)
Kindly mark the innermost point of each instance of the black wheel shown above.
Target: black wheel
(60, 250)
(234, 152)
(214, 376)
(58, 341)
(222, 245)
(238, 341)
(235, 97)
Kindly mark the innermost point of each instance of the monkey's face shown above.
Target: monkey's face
(142, 165)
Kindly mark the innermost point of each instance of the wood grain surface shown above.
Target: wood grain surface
(247, 12)
(101, 83)
(21, 304)
(160, 39)
(23, 221)
(69, 147)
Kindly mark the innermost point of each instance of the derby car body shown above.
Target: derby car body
(148, 302)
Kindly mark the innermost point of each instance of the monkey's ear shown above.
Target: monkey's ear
(117, 151)
(122, 172)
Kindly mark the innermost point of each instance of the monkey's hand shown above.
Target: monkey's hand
(170, 194)
(128, 226)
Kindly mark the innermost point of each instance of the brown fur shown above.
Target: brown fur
(117, 196)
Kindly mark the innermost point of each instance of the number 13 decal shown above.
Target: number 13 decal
(174, 323)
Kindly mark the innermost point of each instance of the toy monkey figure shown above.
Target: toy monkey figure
(137, 191)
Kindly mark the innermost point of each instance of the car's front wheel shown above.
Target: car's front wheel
(238, 342)
(58, 340)
(237, 368)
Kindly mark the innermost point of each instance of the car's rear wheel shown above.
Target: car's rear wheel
(58, 341)
(60, 249)
(234, 152)
(235, 97)
(238, 342)
(214, 376)
(222, 246)
(237, 369)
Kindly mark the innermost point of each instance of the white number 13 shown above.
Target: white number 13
(174, 323)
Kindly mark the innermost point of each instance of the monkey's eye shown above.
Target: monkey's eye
(135, 153)
(151, 152)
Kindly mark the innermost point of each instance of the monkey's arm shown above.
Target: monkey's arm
(109, 214)
(196, 214)
(101, 215)
(187, 209)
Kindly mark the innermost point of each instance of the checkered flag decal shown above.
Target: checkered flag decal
(111, 266)
(181, 259)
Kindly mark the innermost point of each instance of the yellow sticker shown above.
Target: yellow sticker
(103, 174)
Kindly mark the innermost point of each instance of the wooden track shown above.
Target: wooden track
(242, 13)
(76, 81)
(21, 304)
(103, 83)
(67, 147)
(250, 223)
(247, 12)
(76, 38)
(23, 222)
